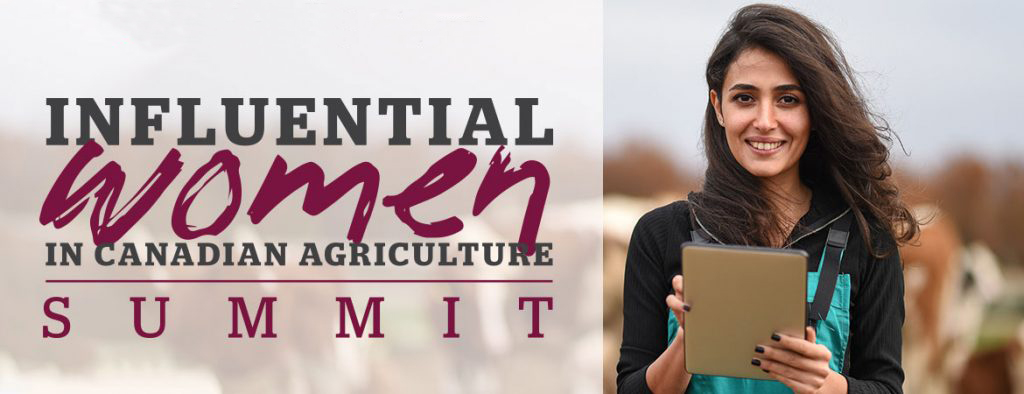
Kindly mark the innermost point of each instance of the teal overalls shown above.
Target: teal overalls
(830, 316)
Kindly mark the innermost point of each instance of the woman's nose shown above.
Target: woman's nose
(766, 117)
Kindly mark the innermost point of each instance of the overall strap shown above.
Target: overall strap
(696, 237)
(838, 234)
(697, 233)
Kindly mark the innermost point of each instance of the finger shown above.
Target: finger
(677, 305)
(811, 335)
(802, 346)
(797, 387)
(677, 284)
(787, 357)
(798, 378)
(794, 385)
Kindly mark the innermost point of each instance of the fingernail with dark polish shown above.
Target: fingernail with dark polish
(759, 349)
(765, 370)
(776, 337)
(686, 307)
(755, 362)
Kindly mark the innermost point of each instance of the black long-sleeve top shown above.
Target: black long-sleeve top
(872, 363)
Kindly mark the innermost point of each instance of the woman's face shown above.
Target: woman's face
(764, 112)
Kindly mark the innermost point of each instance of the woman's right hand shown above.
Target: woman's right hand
(668, 374)
(675, 301)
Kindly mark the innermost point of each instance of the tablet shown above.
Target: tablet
(740, 296)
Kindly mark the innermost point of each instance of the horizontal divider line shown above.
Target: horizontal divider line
(299, 281)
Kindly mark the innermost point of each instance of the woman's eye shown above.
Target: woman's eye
(788, 100)
(743, 98)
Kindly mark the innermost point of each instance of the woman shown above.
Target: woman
(793, 156)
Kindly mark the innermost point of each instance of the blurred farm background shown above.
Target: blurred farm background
(935, 72)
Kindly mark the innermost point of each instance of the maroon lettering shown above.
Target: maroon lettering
(349, 310)
(62, 206)
(451, 317)
(137, 303)
(535, 308)
(498, 180)
(252, 324)
(280, 183)
(440, 177)
(108, 225)
(224, 162)
(56, 316)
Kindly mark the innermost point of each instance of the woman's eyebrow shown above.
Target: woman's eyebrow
(746, 86)
(743, 86)
(788, 87)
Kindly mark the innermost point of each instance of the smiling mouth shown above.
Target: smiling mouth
(765, 147)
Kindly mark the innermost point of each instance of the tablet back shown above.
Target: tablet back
(740, 296)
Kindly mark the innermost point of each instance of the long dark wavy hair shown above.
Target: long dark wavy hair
(848, 148)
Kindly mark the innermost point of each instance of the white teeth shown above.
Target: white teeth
(765, 145)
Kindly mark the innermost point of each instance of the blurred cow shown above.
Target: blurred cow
(948, 286)
(996, 371)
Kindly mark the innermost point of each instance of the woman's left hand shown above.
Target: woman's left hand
(802, 365)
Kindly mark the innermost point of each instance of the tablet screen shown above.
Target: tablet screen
(740, 297)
